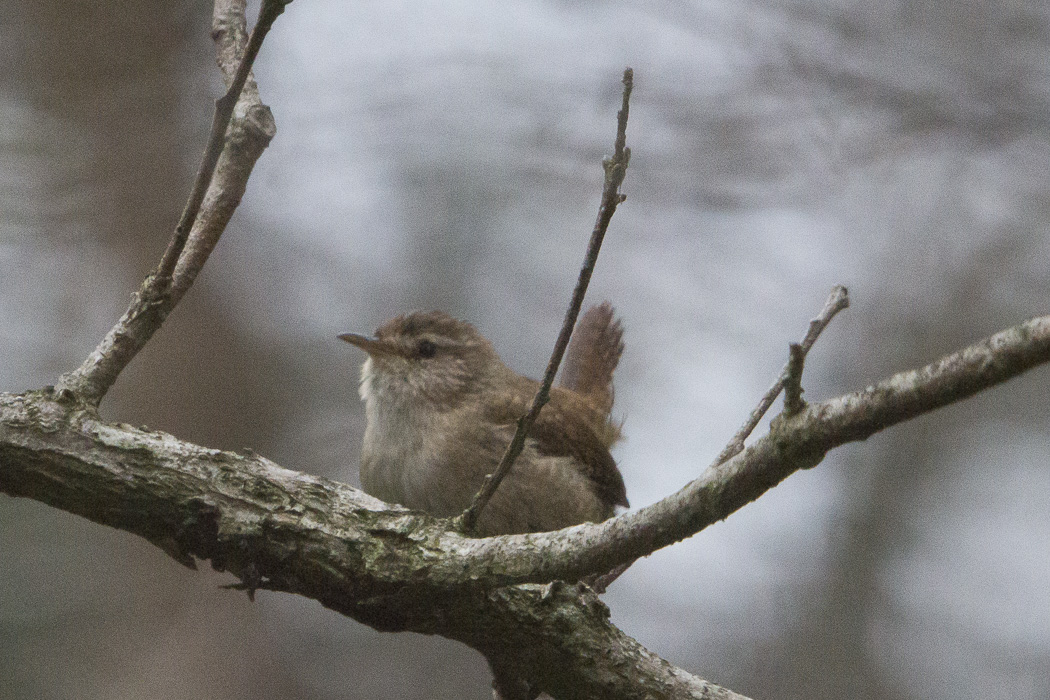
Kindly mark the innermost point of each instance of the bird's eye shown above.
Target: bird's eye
(426, 348)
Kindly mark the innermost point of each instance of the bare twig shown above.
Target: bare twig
(615, 170)
(233, 148)
(837, 301)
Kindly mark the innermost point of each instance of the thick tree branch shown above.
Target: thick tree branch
(276, 529)
(398, 570)
(317, 537)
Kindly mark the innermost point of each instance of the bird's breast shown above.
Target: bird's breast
(405, 457)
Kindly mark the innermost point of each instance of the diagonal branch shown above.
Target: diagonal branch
(268, 13)
(794, 442)
(615, 170)
(205, 234)
(234, 146)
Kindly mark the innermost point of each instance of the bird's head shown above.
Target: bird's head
(425, 356)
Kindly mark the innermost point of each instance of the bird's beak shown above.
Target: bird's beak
(373, 346)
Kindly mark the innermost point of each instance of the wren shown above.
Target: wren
(441, 408)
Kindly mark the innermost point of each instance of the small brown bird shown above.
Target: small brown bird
(441, 409)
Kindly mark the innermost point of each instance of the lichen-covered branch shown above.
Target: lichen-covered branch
(561, 633)
(280, 530)
(398, 570)
(56, 451)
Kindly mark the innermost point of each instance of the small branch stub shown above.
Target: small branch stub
(793, 402)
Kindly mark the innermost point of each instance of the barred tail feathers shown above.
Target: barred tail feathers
(593, 355)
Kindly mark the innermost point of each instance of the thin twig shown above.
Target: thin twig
(159, 293)
(615, 170)
(837, 301)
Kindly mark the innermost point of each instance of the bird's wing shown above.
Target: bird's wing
(564, 429)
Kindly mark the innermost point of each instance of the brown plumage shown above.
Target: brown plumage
(592, 356)
(442, 407)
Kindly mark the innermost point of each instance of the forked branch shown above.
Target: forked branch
(233, 147)
(837, 301)
(790, 379)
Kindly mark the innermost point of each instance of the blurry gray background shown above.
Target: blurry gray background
(447, 154)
